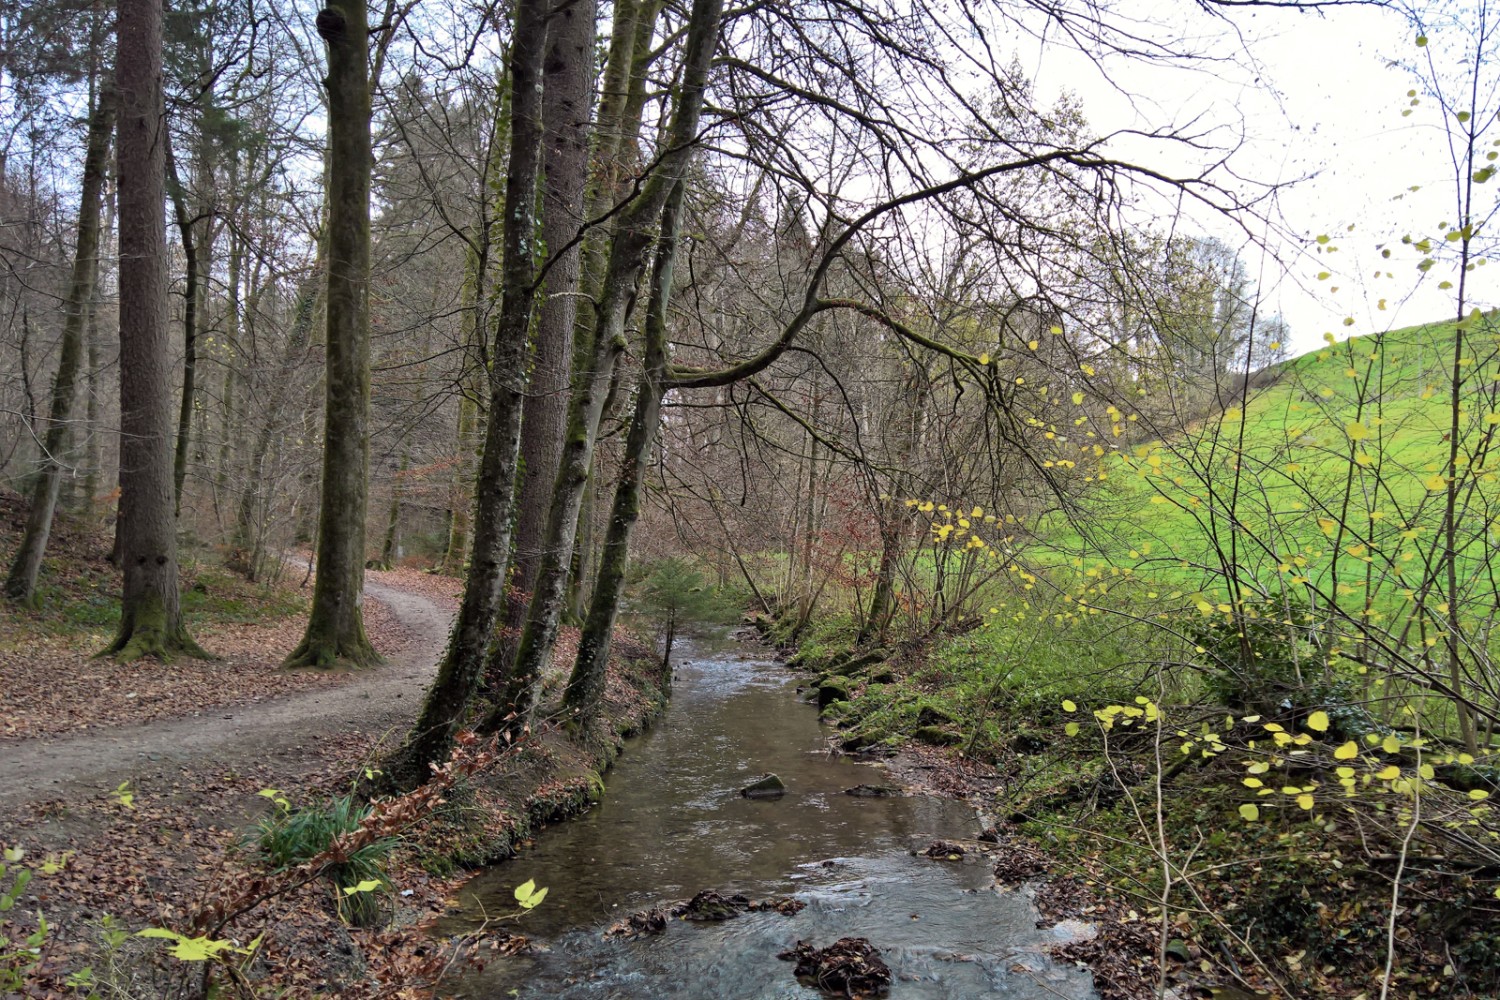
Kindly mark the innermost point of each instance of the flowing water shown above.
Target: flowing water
(672, 822)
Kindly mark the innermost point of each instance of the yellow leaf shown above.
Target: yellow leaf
(1077, 399)
(1249, 812)
(1318, 722)
(1348, 751)
(1479, 794)
(1328, 524)
(984, 358)
(1434, 483)
(1391, 743)
(1068, 706)
(1356, 431)
(1305, 801)
(1388, 773)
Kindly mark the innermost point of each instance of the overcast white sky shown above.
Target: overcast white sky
(1322, 101)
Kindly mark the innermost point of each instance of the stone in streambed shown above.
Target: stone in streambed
(768, 787)
(873, 791)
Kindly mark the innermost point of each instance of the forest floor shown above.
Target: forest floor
(95, 723)
(146, 778)
(135, 790)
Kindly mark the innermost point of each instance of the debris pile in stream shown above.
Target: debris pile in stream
(850, 967)
(652, 921)
(944, 850)
(708, 905)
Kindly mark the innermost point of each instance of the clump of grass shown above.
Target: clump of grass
(291, 837)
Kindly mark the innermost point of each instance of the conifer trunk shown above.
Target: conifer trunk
(151, 613)
(567, 91)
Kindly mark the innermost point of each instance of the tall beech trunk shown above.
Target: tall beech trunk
(633, 237)
(616, 149)
(94, 449)
(193, 312)
(151, 612)
(248, 534)
(446, 706)
(567, 93)
(476, 264)
(335, 627)
(586, 686)
(20, 584)
(235, 265)
(392, 541)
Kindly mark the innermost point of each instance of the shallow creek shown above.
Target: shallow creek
(672, 822)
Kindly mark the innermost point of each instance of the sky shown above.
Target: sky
(1320, 103)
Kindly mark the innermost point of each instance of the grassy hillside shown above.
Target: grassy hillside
(1329, 483)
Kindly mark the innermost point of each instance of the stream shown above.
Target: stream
(672, 822)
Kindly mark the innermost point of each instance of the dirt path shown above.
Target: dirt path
(288, 729)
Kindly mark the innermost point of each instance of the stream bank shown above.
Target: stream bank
(1196, 872)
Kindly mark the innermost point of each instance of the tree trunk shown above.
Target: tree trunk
(446, 706)
(391, 543)
(193, 303)
(632, 241)
(248, 534)
(567, 91)
(586, 686)
(20, 584)
(335, 627)
(150, 614)
(617, 146)
(94, 450)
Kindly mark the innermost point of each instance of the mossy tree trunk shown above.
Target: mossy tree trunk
(335, 627)
(151, 613)
(20, 584)
(616, 149)
(586, 685)
(445, 708)
(633, 238)
(567, 99)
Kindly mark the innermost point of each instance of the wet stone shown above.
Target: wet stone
(767, 787)
(873, 791)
